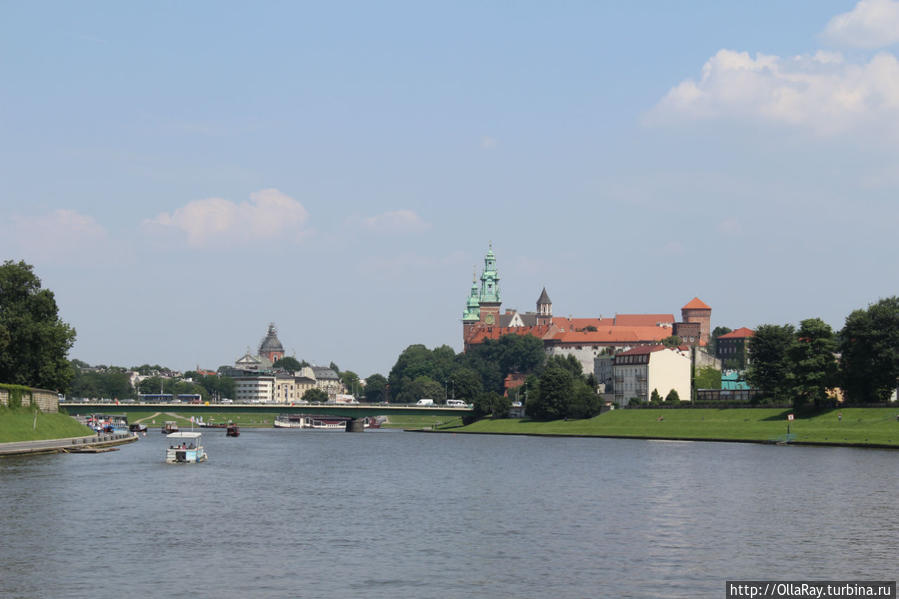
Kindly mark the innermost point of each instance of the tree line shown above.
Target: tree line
(805, 365)
(553, 387)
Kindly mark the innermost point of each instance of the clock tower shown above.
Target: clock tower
(489, 297)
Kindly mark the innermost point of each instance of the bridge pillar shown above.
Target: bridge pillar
(355, 425)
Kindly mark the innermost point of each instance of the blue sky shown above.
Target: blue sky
(180, 175)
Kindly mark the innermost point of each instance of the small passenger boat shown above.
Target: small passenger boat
(170, 427)
(137, 427)
(233, 430)
(185, 448)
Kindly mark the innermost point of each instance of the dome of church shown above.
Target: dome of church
(270, 343)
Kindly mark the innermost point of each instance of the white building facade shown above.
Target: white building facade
(639, 371)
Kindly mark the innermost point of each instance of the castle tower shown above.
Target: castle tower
(698, 311)
(490, 301)
(544, 309)
(472, 314)
(270, 347)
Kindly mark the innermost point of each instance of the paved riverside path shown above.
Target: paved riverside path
(65, 445)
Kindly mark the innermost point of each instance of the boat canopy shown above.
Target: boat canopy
(184, 435)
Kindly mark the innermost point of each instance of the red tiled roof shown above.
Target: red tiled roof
(696, 304)
(614, 334)
(741, 333)
(643, 320)
(481, 333)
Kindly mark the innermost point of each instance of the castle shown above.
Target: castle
(584, 338)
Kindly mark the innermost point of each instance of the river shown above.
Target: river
(289, 513)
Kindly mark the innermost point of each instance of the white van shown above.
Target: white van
(425, 402)
(456, 403)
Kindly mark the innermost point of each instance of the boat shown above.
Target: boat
(138, 427)
(185, 448)
(314, 421)
(170, 427)
(233, 430)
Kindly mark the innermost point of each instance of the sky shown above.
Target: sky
(181, 175)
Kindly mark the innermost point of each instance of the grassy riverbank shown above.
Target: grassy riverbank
(155, 418)
(859, 426)
(22, 424)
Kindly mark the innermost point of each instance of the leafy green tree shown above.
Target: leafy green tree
(424, 387)
(334, 367)
(554, 394)
(814, 366)
(770, 368)
(466, 383)
(492, 404)
(585, 403)
(671, 341)
(869, 363)
(155, 384)
(375, 388)
(567, 362)
(34, 341)
(287, 363)
(655, 397)
(708, 377)
(672, 397)
(713, 338)
(350, 380)
(315, 395)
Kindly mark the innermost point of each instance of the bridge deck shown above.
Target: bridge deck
(347, 410)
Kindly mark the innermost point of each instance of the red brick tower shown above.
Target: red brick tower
(698, 311)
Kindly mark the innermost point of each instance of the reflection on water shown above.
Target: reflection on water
(390, 514)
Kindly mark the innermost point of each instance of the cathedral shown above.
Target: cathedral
(585, 338)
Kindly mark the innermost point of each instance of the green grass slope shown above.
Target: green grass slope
(859, 426)
(21, 424)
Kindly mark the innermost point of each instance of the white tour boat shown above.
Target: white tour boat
(185, 448)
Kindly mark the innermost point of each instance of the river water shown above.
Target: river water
(288, 513)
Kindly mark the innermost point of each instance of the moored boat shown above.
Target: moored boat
(137, 427)
(170, 427)
(185, 448)
(313, 421)
(233, 430)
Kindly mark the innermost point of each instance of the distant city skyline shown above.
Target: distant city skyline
(182, 176)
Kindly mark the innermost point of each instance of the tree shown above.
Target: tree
(492, 404)
(466, 383)
(288, 363)
(769, 370)
(315, 395)
(713, 338)
(350, 380)
(672, 397)
(34, 341)
(567, 362)
(671, 341)
(375, 387)
(814, 367)
(869, 363)
(585, 403)
(708, 377)
(655, 397)
(423, 387)
(553, 395)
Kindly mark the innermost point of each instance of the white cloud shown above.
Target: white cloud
(820, 92)
(488, 143)
(871, 24)
(396, 221)
(62, 237)
(270, 214)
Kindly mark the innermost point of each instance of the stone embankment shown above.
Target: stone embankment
(89, 444)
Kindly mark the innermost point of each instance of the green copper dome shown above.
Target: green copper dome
(472, 311)
(490, 280)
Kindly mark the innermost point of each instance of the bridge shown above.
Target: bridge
(353, 412)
